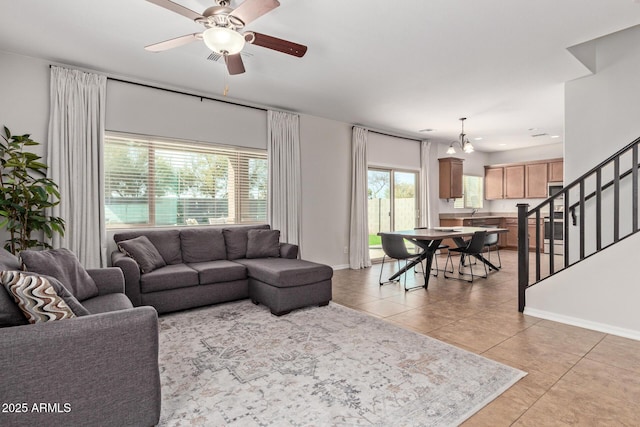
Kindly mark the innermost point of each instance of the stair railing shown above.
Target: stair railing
(544, 215)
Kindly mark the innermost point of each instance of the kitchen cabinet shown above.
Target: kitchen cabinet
(527, 180)
(511, 238)
(556, 171)
(536, 181)
(450, 178)
(514, 177)
(493, 183)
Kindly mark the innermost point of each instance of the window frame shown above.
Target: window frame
(464, 200)
(154, 144)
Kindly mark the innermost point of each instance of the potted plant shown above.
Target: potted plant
(25, 194)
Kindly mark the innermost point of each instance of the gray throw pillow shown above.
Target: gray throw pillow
(143, 252)
(263, 243)
(63, 265)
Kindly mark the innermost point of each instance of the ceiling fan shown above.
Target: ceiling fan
(222, 34)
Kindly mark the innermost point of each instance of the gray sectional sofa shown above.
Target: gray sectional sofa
(207, 265)
(97, 369)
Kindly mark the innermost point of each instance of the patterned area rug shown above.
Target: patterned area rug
(237, 365)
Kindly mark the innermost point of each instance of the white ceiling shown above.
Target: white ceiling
(397, 67)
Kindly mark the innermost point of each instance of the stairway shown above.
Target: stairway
(595, 211)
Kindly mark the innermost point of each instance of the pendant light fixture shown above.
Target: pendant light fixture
(465, 144)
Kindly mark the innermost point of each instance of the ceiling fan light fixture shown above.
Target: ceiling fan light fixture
(224, 41)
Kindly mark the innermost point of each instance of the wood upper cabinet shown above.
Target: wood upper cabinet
(521, 180)
(450, 178)
(556, 171)
(493, 183)
(514, 182)
(536, 180)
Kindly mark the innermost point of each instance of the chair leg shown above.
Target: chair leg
(445, 271)
(381, 269)
(435, 261)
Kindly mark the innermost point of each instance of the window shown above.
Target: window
(472, 193)
(155, 182)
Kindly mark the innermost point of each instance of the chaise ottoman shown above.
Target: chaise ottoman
(284, 284)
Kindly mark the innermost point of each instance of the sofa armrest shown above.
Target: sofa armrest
(99, 369)
(288, 250)
(109, 280)
(131, 272)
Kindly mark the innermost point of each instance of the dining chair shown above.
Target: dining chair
(491, 240)
(474, 246)
(394, 247)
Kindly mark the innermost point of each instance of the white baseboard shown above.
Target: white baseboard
(582, 323)
(340, 267)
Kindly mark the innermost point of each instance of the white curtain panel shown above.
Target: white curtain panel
(428, 211)
(285, 196)
(75, 160)
(359, 230)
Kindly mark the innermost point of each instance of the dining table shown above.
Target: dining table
(429, 239)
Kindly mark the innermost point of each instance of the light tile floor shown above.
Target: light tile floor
(575, 376)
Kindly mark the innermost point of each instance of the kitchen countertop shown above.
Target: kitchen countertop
(482, 215)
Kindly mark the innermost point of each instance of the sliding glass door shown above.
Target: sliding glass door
(393, 204)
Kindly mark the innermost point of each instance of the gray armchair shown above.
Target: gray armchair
(100, 369)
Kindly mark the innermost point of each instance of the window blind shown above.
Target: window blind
(156, 182)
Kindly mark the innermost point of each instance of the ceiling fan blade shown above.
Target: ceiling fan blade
(251, 10)
(171, 43)
(275, 43)
(234, 64)
(175, 7)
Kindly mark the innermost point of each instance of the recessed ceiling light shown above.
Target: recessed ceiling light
(532, 129)
(555, 136)
(502, 145)
(479, 138)
(426, 130)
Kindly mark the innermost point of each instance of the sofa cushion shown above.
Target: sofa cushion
(285, 272)
(263, 244)
(219, 271)
(168, 277)
(64, 266)
(143, 252)
(36, 297)
(202, 244)
(167, 242)
(235, 239)
(107, 303)
(9, 261)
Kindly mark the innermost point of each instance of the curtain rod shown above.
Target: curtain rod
(186, 93)
(115, 79)
(388, 134)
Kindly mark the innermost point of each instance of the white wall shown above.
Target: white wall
(24, 97)
(325, 157)
(24, 102)
(148, 111)
(601, 116)
(325, 144)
